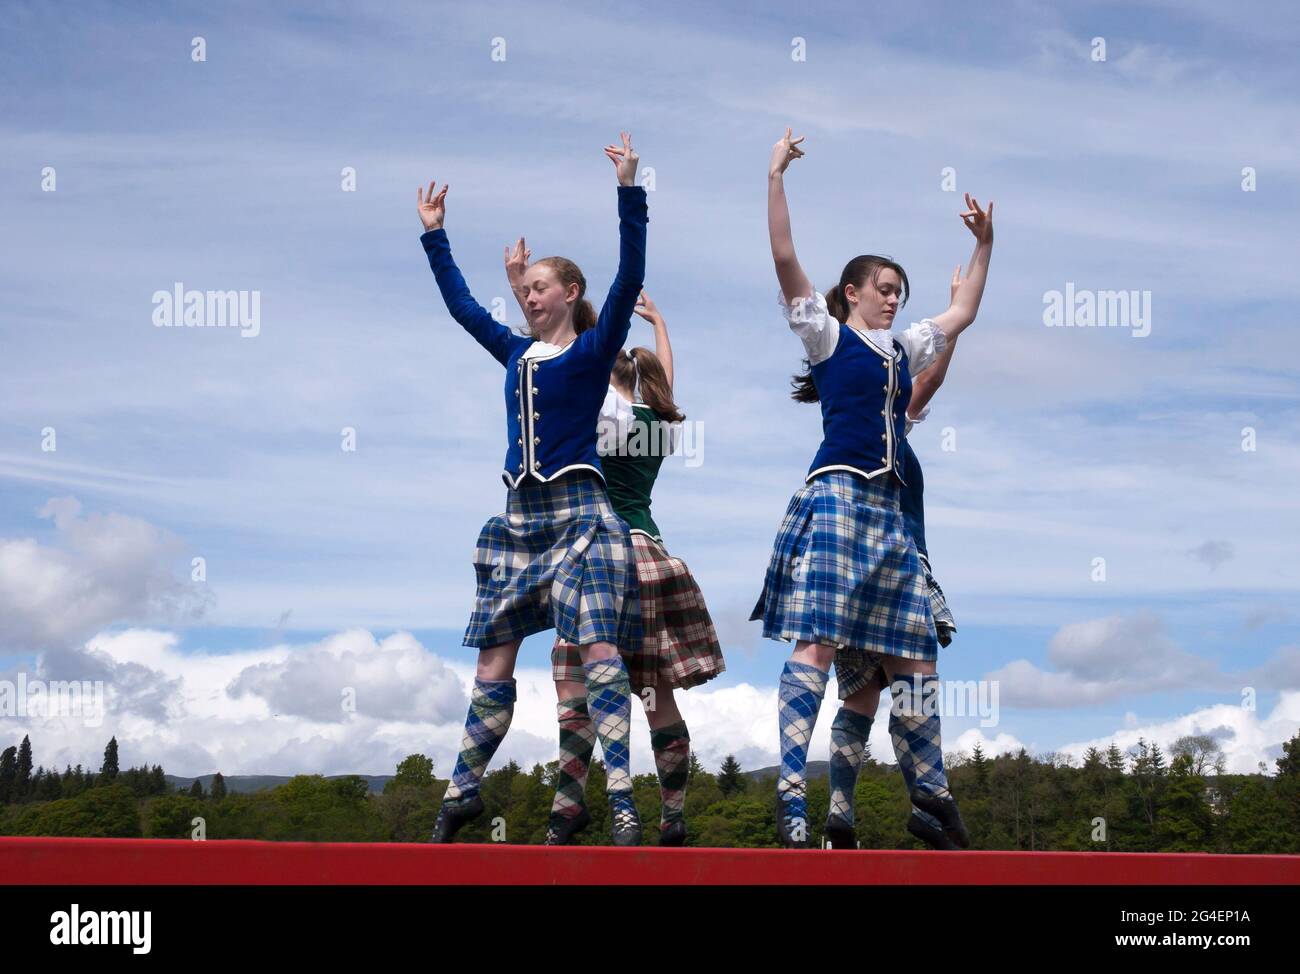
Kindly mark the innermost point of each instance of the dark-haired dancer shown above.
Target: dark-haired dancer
(640, 424)
(558, 557)
(844, 578)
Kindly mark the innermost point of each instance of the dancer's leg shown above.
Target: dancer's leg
(671, 742)
(609, 701)
(914, 728)
(491, 707)
(803, 685)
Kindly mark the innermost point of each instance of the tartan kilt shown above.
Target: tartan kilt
(678, 634)
(944, 623)
(558, 558)
(844, 572)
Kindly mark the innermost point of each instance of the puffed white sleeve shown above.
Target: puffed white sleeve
(614, 423)
(909, 421)
(812, 322)
(924, 342)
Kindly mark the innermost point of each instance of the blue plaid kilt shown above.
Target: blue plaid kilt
(558, 558)
(845, 572)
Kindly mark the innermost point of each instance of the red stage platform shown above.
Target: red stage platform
(93, 862)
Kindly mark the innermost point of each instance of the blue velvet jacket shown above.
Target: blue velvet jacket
(553, 401)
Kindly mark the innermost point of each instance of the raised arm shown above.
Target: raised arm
(648, 310)
(516, 266)
(469, 314)
(794, 282)
(615, 319)
(966, 301)
(925, 385)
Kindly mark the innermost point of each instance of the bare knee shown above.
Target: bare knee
(498, 662)
(597, 651)
(660, 706)
(814, 654)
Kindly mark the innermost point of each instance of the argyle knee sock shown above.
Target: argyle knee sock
(609, 699)
(577, 742)
(491, 705)
(672, 747)
(849, 733)
(802, 689)
(916, 738)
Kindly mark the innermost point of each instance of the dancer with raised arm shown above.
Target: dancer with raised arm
(845, 583)
(558, 557)
(640, 424)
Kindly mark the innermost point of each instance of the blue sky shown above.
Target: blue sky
(328, 568)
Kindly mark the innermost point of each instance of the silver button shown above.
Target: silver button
(882, 435)
(537, 415)
(521, 441)
(536, 464)
(537, 439)
(534, 366)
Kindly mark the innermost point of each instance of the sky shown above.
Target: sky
(1111, 508)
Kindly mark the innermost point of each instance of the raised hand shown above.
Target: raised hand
(624, 160)
(432, 208)
(646, 308)
(977, 221)
(517, 263)
(785, 150)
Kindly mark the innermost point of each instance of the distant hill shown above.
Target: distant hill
(245, 783)
(815, 769)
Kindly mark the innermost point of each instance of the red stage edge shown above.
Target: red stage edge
(97, 862)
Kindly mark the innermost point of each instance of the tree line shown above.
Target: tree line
(1139, 800)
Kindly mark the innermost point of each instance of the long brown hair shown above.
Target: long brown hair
(567, 272)
(655, 391)
(858, 271)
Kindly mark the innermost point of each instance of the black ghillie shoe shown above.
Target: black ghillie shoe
(562, 828)
(945, 810)
(839, 833)
(928, 834)
(792, 832)
(624, 823)
(452, 815)
(673, 833)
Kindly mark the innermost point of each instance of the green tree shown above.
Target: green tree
(8, 775)
(196, 788)
(109, 812)
(218, 787)
(414, 771)
(730, 780)
(1186, 822)
(108, 771)
(24, 780)
(980, 765)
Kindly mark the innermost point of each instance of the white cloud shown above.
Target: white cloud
(1246, 737)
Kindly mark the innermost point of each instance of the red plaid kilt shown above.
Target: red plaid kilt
(677, 630)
